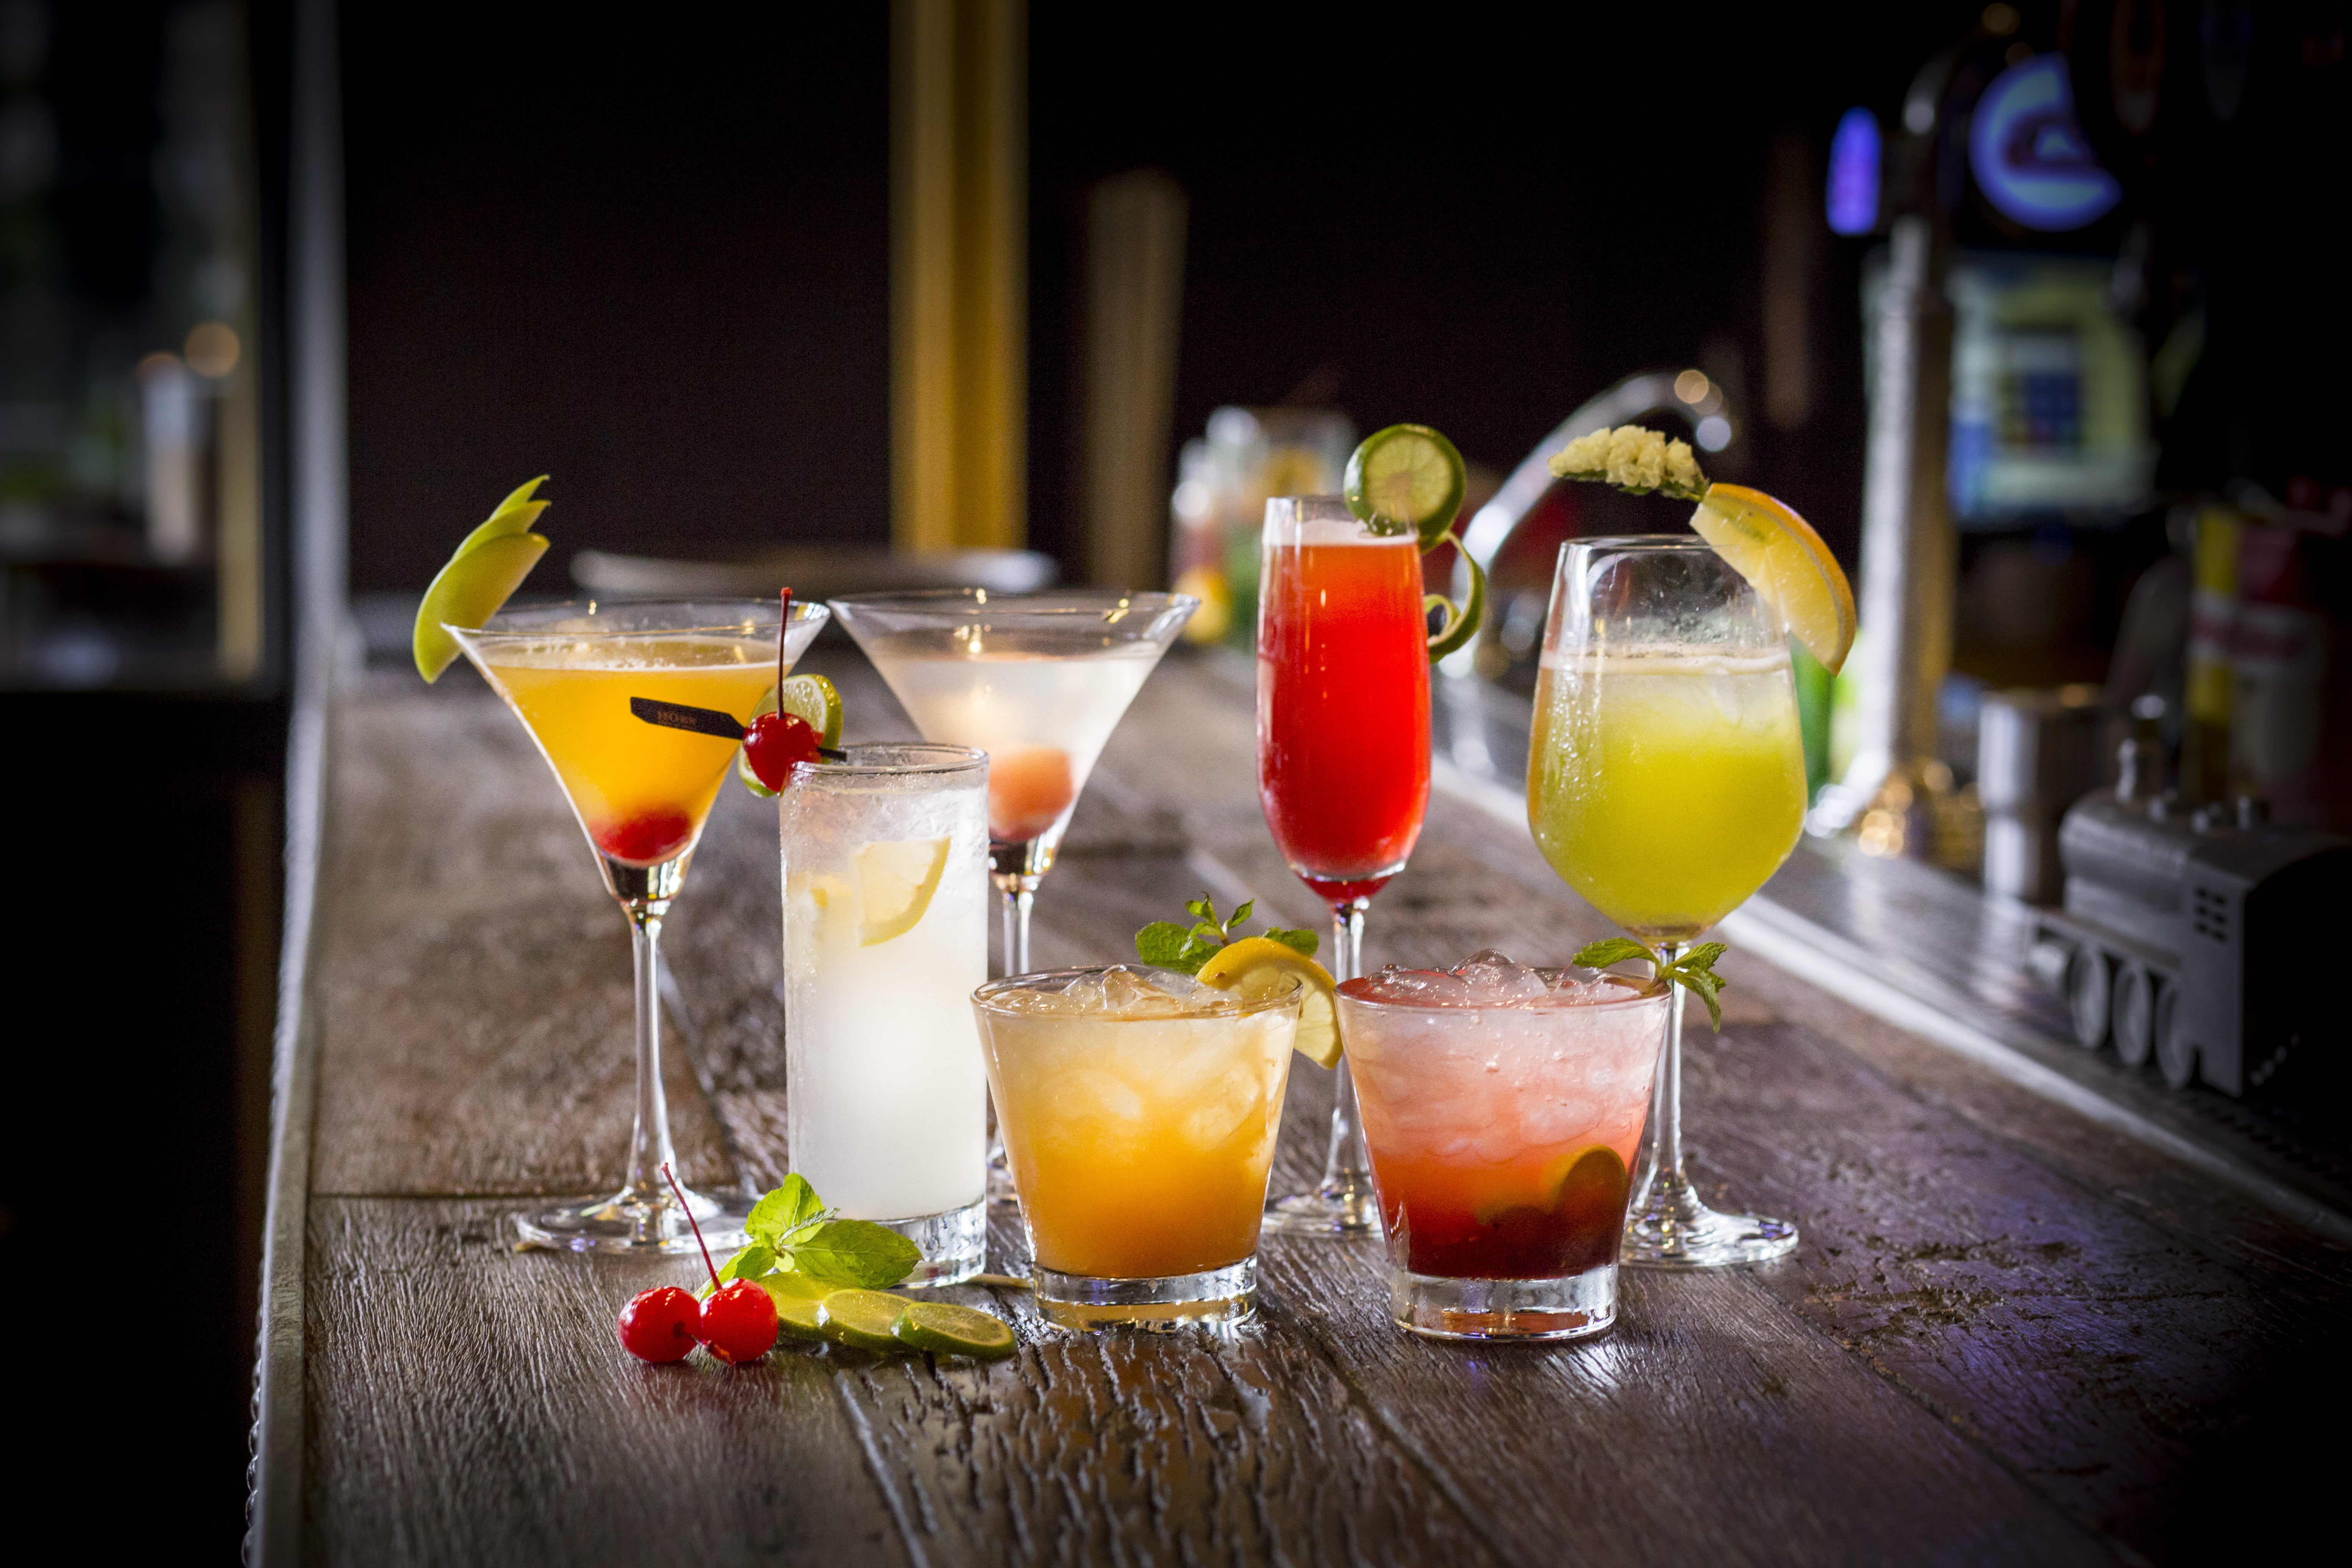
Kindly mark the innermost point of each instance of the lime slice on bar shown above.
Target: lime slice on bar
(1257, 967)
(861, 1318)
(945, 1328)
(1406, 476)
(811, 698)
(799, 1315)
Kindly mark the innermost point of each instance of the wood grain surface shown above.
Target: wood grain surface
(2009, 1334)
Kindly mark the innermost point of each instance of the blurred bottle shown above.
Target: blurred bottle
(2212, 629)
(1219, 505)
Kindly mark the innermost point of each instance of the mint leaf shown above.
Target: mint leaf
(855, 1252)
(1163, 942)
(1241, 913)
(1203, 908)
(1695, 971)
(1305, 941)
(749, 1264)
(1612, 950)
(783, 1211)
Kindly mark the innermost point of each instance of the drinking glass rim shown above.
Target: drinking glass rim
(1627, 543)
(1338, 511)
(950, 760)
(1646, 994)
(966, 600)
(751, 625)
(984, 996)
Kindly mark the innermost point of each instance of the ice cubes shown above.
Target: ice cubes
(1488, 979)
(1495, 981)
(1412, 988)
(1121, 991)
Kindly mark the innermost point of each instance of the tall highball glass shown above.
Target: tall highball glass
(1342, 762)
(1666, 783)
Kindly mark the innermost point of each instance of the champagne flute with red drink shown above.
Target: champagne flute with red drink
(1343, 658)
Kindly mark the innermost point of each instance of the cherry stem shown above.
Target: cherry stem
(689, 1219)
(782, 630)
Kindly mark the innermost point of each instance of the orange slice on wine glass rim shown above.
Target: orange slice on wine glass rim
(1766, 543)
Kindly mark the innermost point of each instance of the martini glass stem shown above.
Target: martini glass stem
(1020, 897)
(1019, 890)
(650, 1144)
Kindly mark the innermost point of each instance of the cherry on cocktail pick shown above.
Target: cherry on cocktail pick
(739, 1320)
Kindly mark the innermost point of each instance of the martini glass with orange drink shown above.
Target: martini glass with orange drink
(642, 792)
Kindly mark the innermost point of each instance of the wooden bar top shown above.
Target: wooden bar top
(2012, 1332)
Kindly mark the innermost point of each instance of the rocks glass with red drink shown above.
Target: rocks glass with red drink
(1502, 1106)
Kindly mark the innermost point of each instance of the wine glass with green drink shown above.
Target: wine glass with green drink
(1667, 776)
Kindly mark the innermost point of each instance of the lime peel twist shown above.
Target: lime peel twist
(1411, 478)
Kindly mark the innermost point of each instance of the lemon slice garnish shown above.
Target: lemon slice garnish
(1257, 967)
(1768, 543)
(895, 884)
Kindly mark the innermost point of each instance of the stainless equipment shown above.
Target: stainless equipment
(2038, 751)
(2200, 937)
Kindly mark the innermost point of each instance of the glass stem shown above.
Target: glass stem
(1020, 895)
(649, 1145)
(1346, 1169)
(1665, 1161)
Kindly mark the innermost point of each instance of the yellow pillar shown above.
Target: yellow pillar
(959, 278)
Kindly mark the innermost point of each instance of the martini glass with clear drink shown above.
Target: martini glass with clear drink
(642, 793)
(1036, 680)
(1343, 761)
(1666, 783)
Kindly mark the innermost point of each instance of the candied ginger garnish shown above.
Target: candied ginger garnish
(1632, 459)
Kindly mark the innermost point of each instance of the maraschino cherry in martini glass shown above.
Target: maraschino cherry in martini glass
(642, 793)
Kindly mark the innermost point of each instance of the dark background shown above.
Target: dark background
(650, 253)
(647, 250)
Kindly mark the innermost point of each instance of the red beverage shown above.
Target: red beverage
(1342, 703)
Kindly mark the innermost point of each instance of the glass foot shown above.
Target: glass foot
(1342, 1208)
(1575, 1307)
(637, 1225)
(1675, 1230)
(954, 1245)
(1214, 1298)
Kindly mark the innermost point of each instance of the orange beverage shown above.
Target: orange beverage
(642, 791)
(1138, 1111)
(1342, 703)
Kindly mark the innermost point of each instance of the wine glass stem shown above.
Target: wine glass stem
(649, 1145)
(1666, 1163)
(1347, 1168)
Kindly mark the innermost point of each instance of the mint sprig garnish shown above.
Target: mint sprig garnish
(793, 1234)
(1693, 970)
(1184, 948)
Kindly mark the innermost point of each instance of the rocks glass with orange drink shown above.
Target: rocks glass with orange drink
(1139, 1108)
